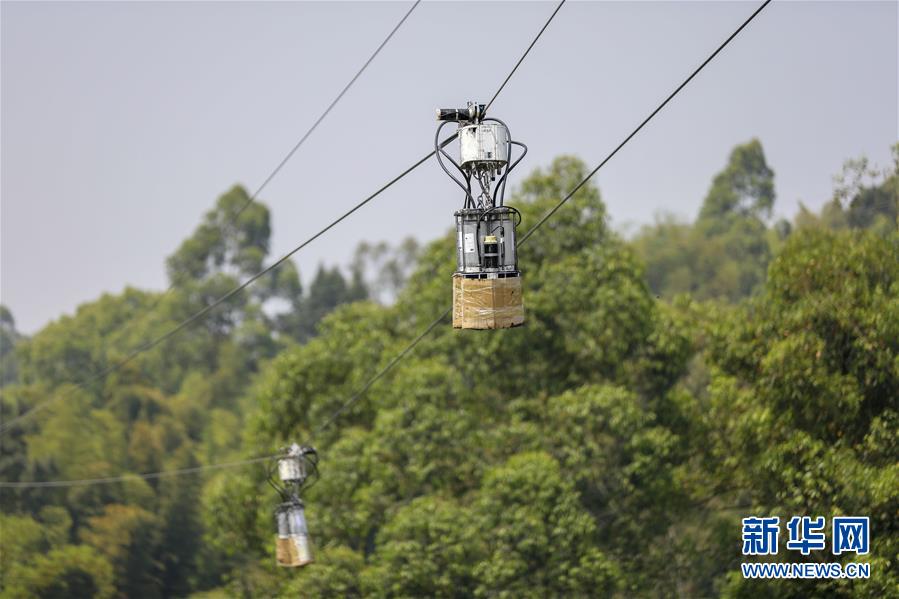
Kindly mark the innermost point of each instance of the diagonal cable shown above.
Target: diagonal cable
(126, 477)
(233, 218)
(555, 208)
(203, 312)
(333, 103)
(523, 56)
(658, 109)
(353, 399)
(396, 359)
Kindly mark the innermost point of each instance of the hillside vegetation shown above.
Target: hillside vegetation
(663, 388)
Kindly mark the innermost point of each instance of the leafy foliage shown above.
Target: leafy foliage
(607, 448)
(725, 253)
(174, 407)
(9, 337)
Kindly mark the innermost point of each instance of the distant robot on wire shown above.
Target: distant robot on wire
(292, 545)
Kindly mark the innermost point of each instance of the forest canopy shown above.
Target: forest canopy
(664, 387)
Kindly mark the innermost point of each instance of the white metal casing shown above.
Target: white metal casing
(485, 145)
(292, 467)
(299, 534)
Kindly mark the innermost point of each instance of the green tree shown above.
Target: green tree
(327, 290)
(866, 197)
(128, 537)
(181, 532)
(336, 574)
(233, 238)
(428, 549)
(723, 254)
(609, 446)
(180, 404)
(384, 268)
(802, 415)
(464, 403)
(21, 537)
(69, 571)
(540, 541)
(9, 337)
(744, 188)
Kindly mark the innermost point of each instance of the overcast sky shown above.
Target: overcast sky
(123, 122)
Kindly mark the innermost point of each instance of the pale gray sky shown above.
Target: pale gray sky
(122, 122)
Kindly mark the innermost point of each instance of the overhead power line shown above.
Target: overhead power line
(399, 357)
(396, 359)
(658, 109)
(333, 103)
(361, 392)
(199, 469)
(204, 311)
(126, 477)
(523, 56)
(222, 299)
(348, 403)
(233, 218)
(561, 203)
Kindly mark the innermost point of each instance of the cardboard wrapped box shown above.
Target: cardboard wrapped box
(282, 551)
(292, 551)
(487, 303)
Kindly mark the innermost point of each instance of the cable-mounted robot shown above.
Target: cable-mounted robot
(295, 466)
(487, 282)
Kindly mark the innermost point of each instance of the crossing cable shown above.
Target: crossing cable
(658, 109)
(327, 110)
(353, 399)
(203, 312)
(523, 56)
(190, 320)
(126, 477)
(361, 392)
(555, 208)
(233, 218)
(406, 350)
(197, 469)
